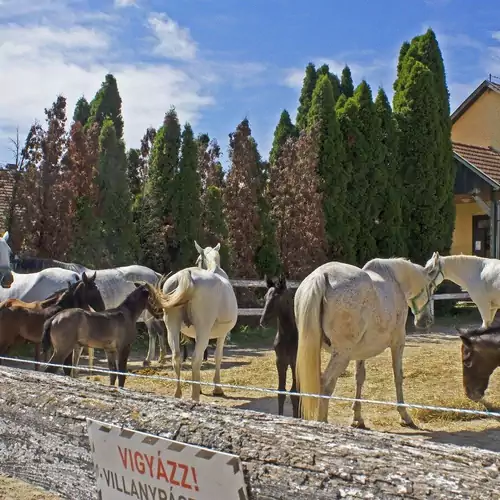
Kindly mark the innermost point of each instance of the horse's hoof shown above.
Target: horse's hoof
(218, 392)
(359, 424)
(410, 424)
(146, 363)
(162, 361)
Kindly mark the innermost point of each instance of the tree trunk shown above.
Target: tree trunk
(43, 440)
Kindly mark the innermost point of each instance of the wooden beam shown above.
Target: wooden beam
(44, 441)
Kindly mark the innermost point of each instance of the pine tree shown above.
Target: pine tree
(283, 131)
(297, 208)
(118, 231)
(80, 169)
(367, 185)
(241, 196)
(334, 176)
(107, 103)
(212, 180)
(390, 242)
(134, 168)
(157, 236)
(334, 80)
(305, 98)
(415, 107)
(346, 83)
(187, 200)
(421, 103)
(82, 111)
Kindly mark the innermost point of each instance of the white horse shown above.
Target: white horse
(6, 276)
(356, 314)
(200, 302)
(479, 276)
(115, 285)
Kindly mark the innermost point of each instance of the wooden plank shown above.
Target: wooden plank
(44, 441)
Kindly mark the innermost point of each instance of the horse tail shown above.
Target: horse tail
(181, 294)
(308, 313)
(46, 340)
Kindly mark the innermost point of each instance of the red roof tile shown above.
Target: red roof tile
(485, 159)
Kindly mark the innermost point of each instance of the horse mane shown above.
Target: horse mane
(462, 257)
(384, 265)
(478, 332)
(35, 264)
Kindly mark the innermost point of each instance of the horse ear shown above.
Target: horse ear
(84, 277)
(137, 284)
(5, 236)
(269, 282)
(94, 277)
(217, 247)
(198, 248)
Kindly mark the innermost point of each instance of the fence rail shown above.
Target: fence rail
(257, 311)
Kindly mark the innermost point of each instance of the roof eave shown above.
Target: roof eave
(484, 85)
(486, 178)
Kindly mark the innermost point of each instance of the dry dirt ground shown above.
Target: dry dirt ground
(433, 376)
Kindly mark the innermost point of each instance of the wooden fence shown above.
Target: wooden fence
(256, 311)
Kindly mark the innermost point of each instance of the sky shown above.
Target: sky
(219, 61)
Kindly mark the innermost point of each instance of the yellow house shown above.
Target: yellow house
(476, 151)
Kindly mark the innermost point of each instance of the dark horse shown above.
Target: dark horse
(480, 357)
(112, 330)
(24, 320)
(279, 304)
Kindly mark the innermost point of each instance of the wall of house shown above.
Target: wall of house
(479, 124)
(462, 235)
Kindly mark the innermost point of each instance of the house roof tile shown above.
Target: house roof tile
(485, 159)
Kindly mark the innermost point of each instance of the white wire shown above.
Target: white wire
(261, 389)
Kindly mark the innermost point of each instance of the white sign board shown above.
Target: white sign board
(131, 464)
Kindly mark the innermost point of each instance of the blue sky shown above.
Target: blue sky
(218, 61)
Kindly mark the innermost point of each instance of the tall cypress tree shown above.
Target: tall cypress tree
(305, 98)
(187, 217)
(367, 174)
(390, 241)
(82, 111)
(346, 83)
(334, 80)
(283, 131)
(415, 108)
(118, 232)
(133, 171)
(107, 103)
(334, 176)
(421, 69)
(158, 242)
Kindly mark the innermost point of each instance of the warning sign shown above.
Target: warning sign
(131, 464)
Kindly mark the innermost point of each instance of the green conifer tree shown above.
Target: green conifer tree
(305, 98)
(283, 131)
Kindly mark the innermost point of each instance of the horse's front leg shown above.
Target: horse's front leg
(173, 323)
(281, 367)
(219, 350)
(485, 310)
(37, 356)
(112, 366)
(90, 351)
(152, 345)
(397, 367)
(122, 364)
(158, 327)
(295, 399)
(337, 364)
(357, 420)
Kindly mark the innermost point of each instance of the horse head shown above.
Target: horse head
(434, 267)
(480, 356)
(273, 299)
(6, 276)
(150, 294)
(89, 294)
(209, 257)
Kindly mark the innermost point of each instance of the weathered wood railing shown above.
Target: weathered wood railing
(43, 440)
(294, 284)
